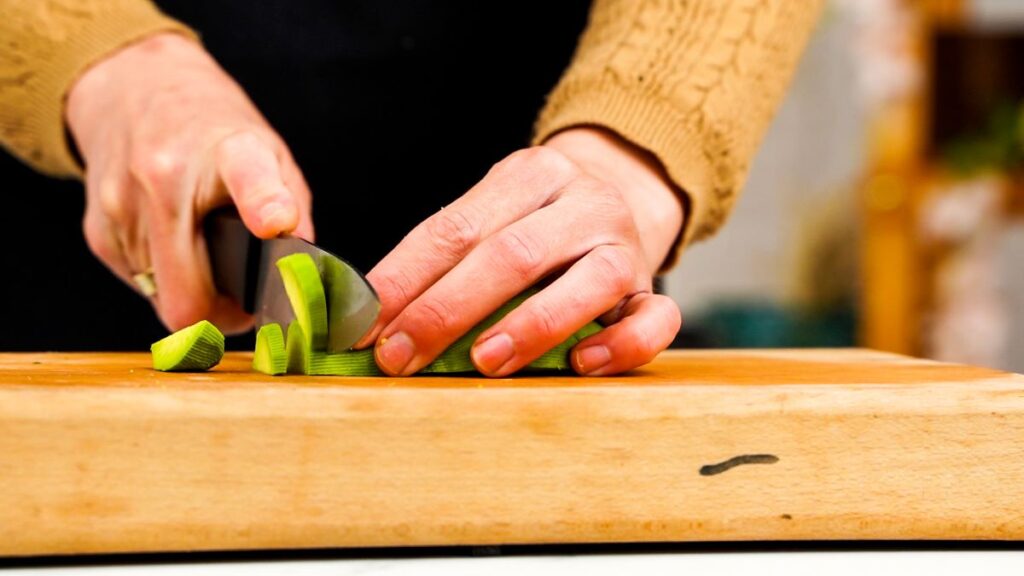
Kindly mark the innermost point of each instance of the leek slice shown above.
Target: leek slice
(196, 348)
(307, 336)
(270, 357)
(306, 293)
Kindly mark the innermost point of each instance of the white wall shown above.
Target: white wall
(807, 165)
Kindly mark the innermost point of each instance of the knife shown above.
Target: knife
(244, 267)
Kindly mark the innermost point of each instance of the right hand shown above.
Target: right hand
(167, 136)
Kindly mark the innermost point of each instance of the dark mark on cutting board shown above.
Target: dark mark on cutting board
(712, 469)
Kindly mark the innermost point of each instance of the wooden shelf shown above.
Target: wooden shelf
(963, 72)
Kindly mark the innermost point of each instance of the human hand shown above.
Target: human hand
(586, 203)
(167, 136)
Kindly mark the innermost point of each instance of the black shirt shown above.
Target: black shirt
(391, 108)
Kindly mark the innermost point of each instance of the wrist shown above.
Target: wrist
(653, 198)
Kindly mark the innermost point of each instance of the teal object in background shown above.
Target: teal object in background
(759, 324)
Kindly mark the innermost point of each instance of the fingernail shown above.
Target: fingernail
(493, 353)
(367, 339)
(593, 358)
(363, 343)
(395, 353)
(277, 216)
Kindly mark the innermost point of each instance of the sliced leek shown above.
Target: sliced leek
(351, 363)
(297, 350)
(305, 349)
(305, 290)
(270, 357)
(196, 348)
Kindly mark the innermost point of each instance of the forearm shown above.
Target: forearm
(695, 83)
(48, 45)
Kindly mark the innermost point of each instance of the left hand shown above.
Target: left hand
(587, 204)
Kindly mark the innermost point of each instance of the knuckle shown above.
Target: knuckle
(110, 195)
(296, 183)
(244, 139)
(642, 344)
(394, 287)
(615, 267)
(452, 232)
(159, 168)
(544, 321)
(670, 312)
(97, 238)
(645, 344)
(237, 148)
(435, 316)
(542, 159)
(520, 253)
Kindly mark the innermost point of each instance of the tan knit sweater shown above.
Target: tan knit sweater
(695, 82)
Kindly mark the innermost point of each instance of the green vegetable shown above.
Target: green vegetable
(297, 350)
(270, 357)
(302, 360)
(306, 293)
(351, 363)
(198, 347)
(307, 354)
(456, 358)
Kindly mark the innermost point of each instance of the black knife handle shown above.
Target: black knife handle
(234, 256)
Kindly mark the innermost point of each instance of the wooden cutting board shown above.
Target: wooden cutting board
(98, 453)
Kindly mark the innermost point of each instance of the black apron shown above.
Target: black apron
(391, 108)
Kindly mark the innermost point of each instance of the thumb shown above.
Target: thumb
(251, 172)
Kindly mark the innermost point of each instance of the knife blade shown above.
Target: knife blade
(244, 267)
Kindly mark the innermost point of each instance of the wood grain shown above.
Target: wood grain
(98, 453)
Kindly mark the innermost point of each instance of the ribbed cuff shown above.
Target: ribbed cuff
(649, 122)
(104, 34)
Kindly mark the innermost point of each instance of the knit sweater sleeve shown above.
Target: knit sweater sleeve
(44, 46)
(694, 82)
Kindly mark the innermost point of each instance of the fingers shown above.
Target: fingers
(296, 182)
(107, 201)
(591, 287)
(167, 239)
(648, 324)
(103, 243)
(119, 233)
(515, 187)
(111, 226)
(504, 265)
(251, 172)
(185, 292)
(155, 220)
(229, 316)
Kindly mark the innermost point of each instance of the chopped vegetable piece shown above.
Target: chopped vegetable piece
(302, 360)
(558, 357)
(297, 350)
(270, 356)
(198, 347)
(456, 358)
(306, 293)
(307, 336)
(351, 363)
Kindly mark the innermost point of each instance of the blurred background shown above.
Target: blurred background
(886, 206)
